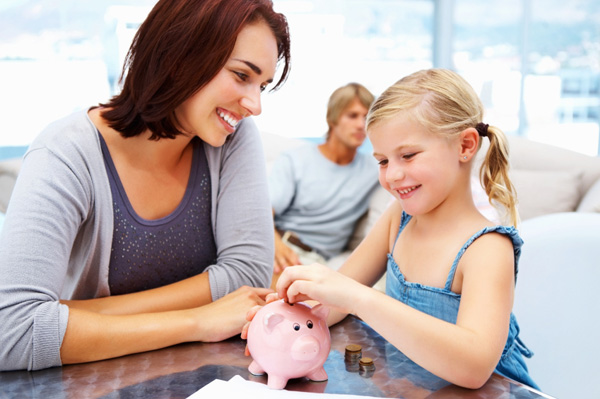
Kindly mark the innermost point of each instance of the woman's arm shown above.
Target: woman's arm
(92, 336)
(49, 204)
(185, 294)
(243, 221)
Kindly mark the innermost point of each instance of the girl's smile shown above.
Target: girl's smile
(417, 167)
(405, 193)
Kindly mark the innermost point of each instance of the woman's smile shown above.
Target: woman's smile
(229, 120)
(214, 112)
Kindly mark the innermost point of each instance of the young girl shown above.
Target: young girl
(450, 272)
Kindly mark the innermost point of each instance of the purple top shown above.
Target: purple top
(152, 253)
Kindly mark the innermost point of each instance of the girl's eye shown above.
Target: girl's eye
(408, 156)
(383, 162)
(262, 88)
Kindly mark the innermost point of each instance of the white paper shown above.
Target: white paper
(240, 388)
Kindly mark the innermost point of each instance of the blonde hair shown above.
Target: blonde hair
(444, 103)
(341, 98)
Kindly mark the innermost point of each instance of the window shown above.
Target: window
(58, 57)
(535, 63)
(372, 42)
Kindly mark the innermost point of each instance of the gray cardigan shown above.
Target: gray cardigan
(56, 239)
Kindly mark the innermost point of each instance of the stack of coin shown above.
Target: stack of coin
(353, 353)
(366, 367)
(352, 357)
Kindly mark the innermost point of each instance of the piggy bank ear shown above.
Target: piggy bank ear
(320, 311)
(271, 320)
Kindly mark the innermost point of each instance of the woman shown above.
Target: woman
(141, 223)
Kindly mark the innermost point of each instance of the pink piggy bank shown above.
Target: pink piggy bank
(289, 341)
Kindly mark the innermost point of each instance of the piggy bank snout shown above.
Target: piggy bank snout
(305, 348)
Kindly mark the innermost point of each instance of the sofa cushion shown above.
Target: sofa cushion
(9, 169)
(540, 192)
(591, 200)
(275, 144)
(530, 155)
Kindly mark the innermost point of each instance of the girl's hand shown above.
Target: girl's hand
(319, 283)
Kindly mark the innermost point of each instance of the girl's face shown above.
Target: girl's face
(417, 167)
(213, 112)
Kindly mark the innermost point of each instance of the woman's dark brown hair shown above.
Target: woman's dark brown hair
(178, 49)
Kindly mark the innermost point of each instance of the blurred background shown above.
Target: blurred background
(535, 63)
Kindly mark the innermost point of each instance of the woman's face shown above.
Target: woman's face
(417, 167)
(234, 93)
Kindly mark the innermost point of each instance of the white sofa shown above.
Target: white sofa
(556, 302)
(548, 179)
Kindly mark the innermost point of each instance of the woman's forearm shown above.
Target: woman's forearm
(189, 293)
(92, 336)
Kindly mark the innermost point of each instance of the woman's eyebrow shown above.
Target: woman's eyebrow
(254, 68)
(250, 65)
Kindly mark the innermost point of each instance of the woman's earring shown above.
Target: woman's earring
(465, 157)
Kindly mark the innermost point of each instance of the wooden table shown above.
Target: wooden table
(179, 371)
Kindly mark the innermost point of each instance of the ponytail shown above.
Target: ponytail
(494, 174)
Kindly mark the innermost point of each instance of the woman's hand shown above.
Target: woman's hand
(250, 315)
(319, 283)
(226, 317)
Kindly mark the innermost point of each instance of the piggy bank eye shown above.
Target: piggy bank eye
(309, 324)
(296, 326)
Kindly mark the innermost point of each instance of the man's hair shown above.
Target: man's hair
(341, 98)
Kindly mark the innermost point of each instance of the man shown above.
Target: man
(318, 192)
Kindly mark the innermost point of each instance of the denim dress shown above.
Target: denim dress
(443, 303)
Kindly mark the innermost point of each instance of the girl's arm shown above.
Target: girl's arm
(464, 354)
(367, 263)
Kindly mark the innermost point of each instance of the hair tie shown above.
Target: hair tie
(482, 129)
